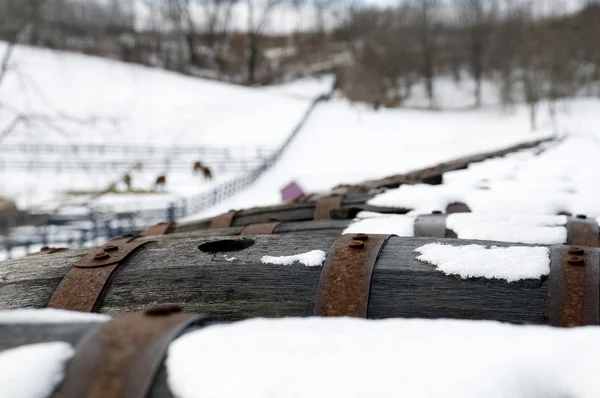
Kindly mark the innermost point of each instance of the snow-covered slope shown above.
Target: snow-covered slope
(137, 104)
(73, 98)
(343, 143)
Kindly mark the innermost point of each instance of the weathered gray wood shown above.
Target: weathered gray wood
(176, 271)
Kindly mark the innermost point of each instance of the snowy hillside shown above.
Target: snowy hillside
(75, 99)
(348, 144)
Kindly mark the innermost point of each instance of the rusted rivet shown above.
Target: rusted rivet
(111, 248)
(357, 244)
(436, 212)
(576, 250)
(575, 260)
(101, 256)
(160, 310)
(360, 237)
(582, 216)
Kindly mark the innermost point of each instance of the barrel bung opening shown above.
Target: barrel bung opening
(226, 245)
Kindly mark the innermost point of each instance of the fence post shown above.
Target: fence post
(44, 235)
(8, 249)
(184, 208)
(171, 212)
(107, 229)
(94, 221)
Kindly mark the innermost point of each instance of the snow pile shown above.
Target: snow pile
(400, 225)
(314, 258)
(48, 315)
(33, 371)
(355, 358)
(509, 228)
(560, 179)
(473, 261)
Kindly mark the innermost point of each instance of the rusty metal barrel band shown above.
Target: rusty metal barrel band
(121, 358)
(48, 250)
(324, 205)
(457, 207)
(84, 286)
(583, 232)
(163, 228)
(573, 288)
(260, 229)
(431, 226)
(224, 220)
(345, 281)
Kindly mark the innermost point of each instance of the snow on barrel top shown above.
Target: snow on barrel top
(400, 225)
(547, 183)
(540, 229)
(473, 261)
(355, 358)
(514, 228)
(314, 258)
(34, 370)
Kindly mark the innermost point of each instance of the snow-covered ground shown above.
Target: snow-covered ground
(75, 99)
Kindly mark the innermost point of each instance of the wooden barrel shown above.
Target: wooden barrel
(579, 230)
(235, 278)
(334, 207)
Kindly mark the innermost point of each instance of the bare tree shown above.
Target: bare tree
(428, 27)
(477, 18)
(217, 28)
(30, 13)
(259, 14)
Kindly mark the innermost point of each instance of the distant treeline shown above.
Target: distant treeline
(533, 50)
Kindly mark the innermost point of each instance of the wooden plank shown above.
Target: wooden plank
(176, 271)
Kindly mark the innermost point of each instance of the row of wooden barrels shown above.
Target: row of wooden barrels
(145, 280)
(252, 263)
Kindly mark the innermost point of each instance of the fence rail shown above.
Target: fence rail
(126, 149)
(77, 230)
(64, 165)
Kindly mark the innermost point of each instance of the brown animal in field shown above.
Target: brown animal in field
(207, 173)
(205, 170)
(160, 181)
(198, 167)
(127, 181)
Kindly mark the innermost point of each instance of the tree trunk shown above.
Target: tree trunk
(252, 57)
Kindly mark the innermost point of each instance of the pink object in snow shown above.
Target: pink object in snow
(291, 191)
